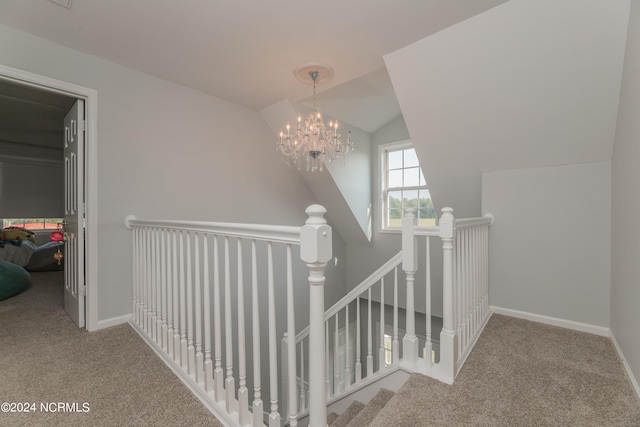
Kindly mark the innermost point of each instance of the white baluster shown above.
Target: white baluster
(154, 289)
(358, 366)
(191, 353)
(395, 343)
(157, 284)
(381, 350)
(428, 345)
(327, 358)
(170, 300)
(176, 298)
(136, 279)
(199, 356)
(208, 365)
(291, 345)
(274, 416)
(230, 383)
(369, 337)
(183, 307)
(243, 392)
(347, 365)
(163, 269)
(301, 390)
(336, 358)
(257, 380)
(218, 373)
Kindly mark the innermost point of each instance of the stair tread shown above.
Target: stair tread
(331, 417)
(350, 413)
(371, 409)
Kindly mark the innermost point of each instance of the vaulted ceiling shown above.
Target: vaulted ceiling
(246, 52)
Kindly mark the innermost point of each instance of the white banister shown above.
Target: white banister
(410, 266)
(178, 303)
(448, 342)
(316, 251)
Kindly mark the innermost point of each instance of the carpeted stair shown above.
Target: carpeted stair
(360, 415)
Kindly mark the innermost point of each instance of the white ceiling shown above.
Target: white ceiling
(246, 52)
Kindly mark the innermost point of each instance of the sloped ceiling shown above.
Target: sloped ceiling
(246, 52)
(527, 84)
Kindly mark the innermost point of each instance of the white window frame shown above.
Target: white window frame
(382, 156)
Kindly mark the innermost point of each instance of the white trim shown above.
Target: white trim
(114, 321)
(627, 368)
(90, 96)
(553, 321)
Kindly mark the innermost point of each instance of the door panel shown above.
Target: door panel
(74, 290)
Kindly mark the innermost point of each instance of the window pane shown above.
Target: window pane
(422, 180)
(426, 205)
(410, 158)
(395, 160)
(410, 199)
(412, 177)
(395, 178)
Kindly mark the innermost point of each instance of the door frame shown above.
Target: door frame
(90, 97)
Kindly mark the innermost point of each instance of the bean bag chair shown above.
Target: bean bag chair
(13, 279)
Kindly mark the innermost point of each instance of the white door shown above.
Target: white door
(74, 284)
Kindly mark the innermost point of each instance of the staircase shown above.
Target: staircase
(359, 414)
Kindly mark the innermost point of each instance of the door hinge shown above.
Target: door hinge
(83, 290)
(83, 125)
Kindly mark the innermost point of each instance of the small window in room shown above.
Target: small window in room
(403, 185)
(32, 223)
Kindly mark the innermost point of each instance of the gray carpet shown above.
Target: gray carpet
(522, 373)
(519, 374)
(45, 358)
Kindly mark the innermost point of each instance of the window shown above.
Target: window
(403, 185)
(32, 223)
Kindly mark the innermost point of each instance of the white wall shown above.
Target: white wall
(625, 268)
(528, 83)
(166, 151)
(550, 244)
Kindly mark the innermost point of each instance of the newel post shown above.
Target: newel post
(410, 266)
(448, 341)
(316, 251)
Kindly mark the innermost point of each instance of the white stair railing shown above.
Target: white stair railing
(188, 297)
(374, 305)
(189, 305)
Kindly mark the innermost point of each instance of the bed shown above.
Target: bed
(18, 246)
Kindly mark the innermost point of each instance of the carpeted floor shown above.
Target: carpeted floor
(519, 374)
(522, 373)
(111, 374)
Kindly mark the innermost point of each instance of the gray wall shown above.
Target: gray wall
(550, 244)
(31, 188)
(166, 151)
(625, 269)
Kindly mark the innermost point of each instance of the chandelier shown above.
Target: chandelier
(312, 142)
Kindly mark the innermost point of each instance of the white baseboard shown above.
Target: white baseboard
(114, 321)
(554, 321)
(627, 368)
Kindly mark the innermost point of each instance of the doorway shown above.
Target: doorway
(89, 161)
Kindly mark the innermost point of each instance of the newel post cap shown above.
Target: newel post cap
(315, 237)
(447, 223)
